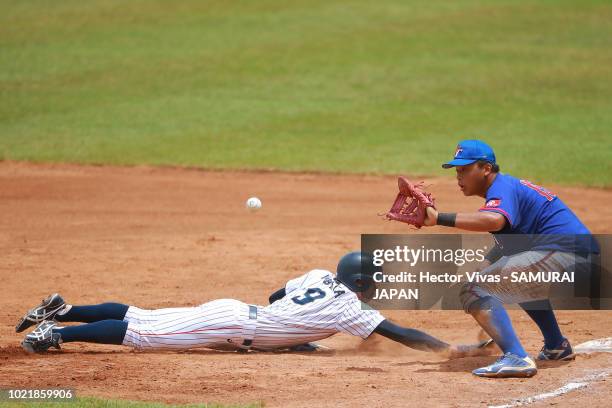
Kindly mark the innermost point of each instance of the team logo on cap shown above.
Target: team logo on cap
(458, 151)
(493, 203)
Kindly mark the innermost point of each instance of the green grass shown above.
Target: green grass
(325, 85)
(102, 403)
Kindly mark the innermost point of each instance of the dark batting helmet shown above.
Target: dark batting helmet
(355, 271)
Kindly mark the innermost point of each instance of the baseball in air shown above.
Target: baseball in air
(253, 203)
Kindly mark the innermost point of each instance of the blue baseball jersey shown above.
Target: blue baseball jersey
(533, 210)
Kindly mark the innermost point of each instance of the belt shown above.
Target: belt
(247, 343)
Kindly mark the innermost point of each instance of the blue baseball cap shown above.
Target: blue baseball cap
(470, 151)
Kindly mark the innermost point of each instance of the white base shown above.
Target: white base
(595, 346)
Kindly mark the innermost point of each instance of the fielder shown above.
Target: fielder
(557, 241)
(309, 308)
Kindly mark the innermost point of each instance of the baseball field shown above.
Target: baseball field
(131, 134)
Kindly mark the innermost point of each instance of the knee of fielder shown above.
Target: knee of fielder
(483, 304)
(473, 298)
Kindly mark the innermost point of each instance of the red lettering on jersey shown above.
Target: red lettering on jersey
(540, 190)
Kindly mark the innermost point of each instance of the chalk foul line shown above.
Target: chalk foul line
(573, 385)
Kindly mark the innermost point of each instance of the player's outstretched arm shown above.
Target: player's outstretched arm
(419, 340)
(279, 294)
(412, 338)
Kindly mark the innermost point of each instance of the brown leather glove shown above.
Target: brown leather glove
(411, 203)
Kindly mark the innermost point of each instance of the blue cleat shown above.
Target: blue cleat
(562, 352)
(508, 365)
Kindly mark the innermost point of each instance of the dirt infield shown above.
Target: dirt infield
(167, 237)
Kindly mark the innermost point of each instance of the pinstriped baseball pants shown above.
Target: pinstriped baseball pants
(219, 324)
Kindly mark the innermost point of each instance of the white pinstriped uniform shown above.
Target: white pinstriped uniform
(315, 306)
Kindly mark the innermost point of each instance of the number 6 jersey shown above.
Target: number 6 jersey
(315, 306)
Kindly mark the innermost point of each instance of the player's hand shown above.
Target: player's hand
(431, 217)
(484, 348)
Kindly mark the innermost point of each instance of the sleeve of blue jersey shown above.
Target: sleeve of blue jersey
(502, 200)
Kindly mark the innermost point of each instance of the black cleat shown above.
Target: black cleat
(42, 338)
(45, 311)
(563, 352)
(308, 347)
